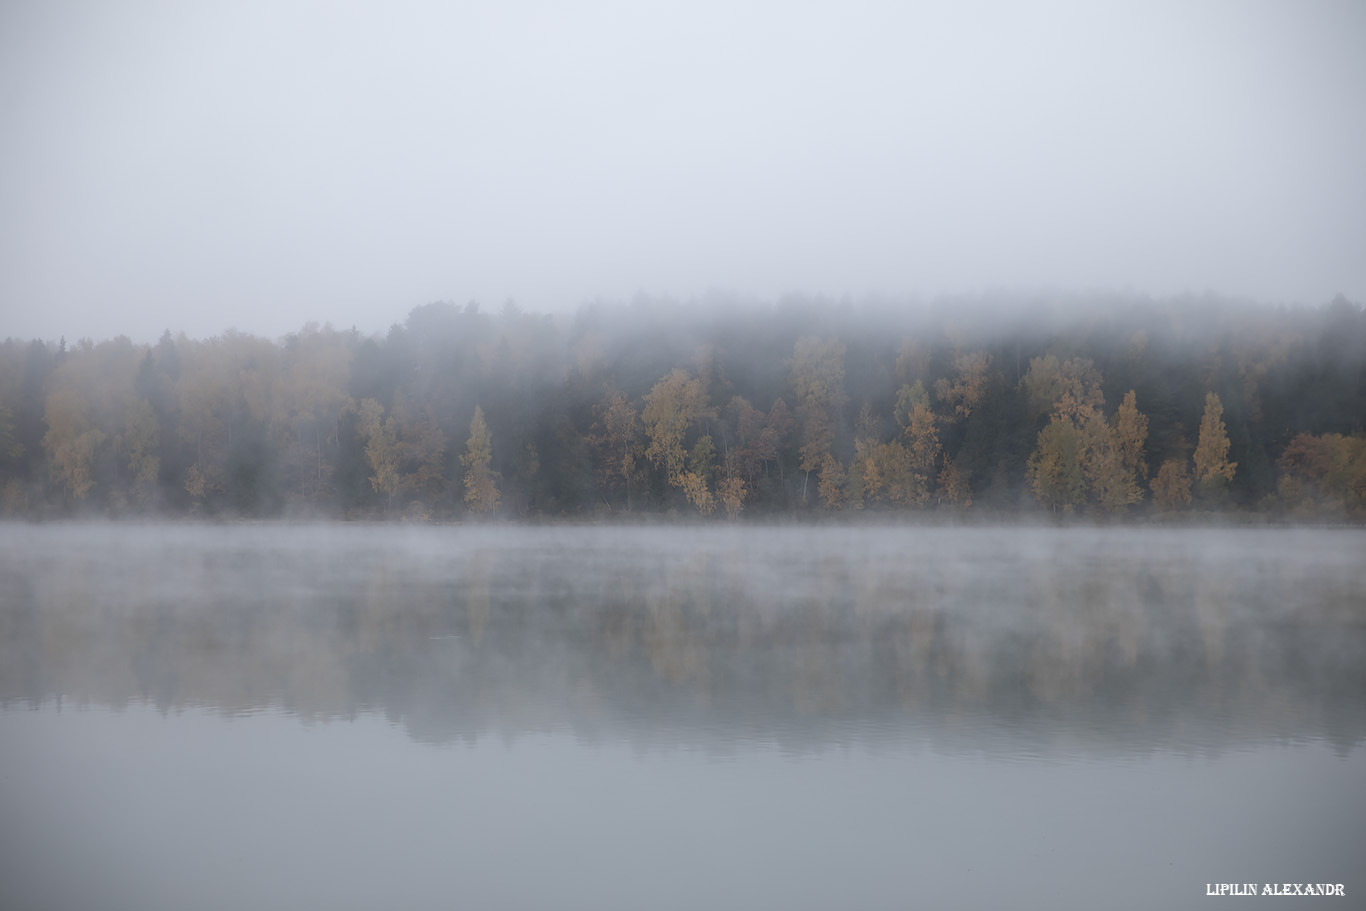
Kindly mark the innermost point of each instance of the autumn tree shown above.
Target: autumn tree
(313, 396)
(963, 393)
(701, 468)
(1131, 439)
(618, 442)
(695, 488)
(901, 471)
(730, 492)
(1113, 455)
(954, 488)
(1172, 485)
(866, 482)
(759, 440)
(481, 482)
(1082, 457)
(101, 434)
(1068, 388)
(908, 397)
(1105, 486)
(919, 430)
(381, 448)
(1064, 462)
(756, 443)
(1055, 471)
(233, 417)
(869, 478)
(817, 375)
(71, 441)
(1213, 470)
(1323, 474)
(673, 406)
(138, 445)
(832, 483)
(922, 449)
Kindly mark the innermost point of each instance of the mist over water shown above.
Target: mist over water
(806, 715)
(1127, 640)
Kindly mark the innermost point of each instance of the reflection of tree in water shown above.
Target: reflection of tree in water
(686, 640)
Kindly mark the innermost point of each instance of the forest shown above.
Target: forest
(714, 409)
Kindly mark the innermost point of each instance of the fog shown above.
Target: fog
(358, 715)
(680, 455)
(1030, 640)
(1118, 409)
(260, 165)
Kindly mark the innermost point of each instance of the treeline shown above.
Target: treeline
(1121, 407)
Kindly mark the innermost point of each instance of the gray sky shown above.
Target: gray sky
(198, 166)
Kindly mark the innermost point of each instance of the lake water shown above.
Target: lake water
(346, 716)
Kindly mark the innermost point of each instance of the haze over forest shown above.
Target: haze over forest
(262, 164)
(842, 228)
(1124, 407)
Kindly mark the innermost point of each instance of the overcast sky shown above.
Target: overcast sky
(198, 166)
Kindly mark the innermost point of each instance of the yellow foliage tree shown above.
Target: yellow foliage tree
(381, 448)
(1131, 437)
(1055, 470)
(1068, 388)
(695, 489)
(879, 474)
(1100, 463)
(831, 486)
(71, 441)
(1064, 466)
(481, 482)
(922, 448)
(1083, 458)
(617, 439)
(1172, 486)
(964, 392)
(139, 444)
(1212, 467)
(672, 406)
(731, 492)
(1323, 474)
(1113, 455)
(817, 375)
(953, 485)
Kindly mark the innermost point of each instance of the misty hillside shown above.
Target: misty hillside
(718, 408)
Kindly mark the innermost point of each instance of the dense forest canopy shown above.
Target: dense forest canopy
(1127, 406)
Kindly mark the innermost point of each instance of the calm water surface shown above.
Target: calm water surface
(591, 717)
